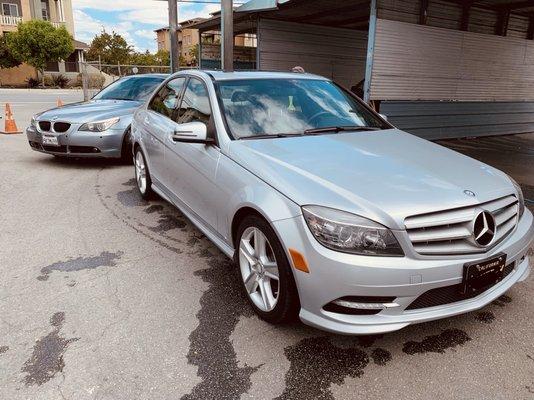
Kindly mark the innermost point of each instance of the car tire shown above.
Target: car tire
(142, 175)
(126, 148)
(283, 291)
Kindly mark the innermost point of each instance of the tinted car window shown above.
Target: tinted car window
(195, 104)
(166, 101)
(135, 88)
(278, 106)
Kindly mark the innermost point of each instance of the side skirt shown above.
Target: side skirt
(196, 220)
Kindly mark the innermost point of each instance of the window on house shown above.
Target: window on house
(44, 10)
(10, 9)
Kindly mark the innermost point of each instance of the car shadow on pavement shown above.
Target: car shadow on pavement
(83, 163)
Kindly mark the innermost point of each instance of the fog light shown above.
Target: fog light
(365, 306)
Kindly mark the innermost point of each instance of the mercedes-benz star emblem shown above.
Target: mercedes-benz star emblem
(469, 193)
(484, 228)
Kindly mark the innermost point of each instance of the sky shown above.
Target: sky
(135, 20)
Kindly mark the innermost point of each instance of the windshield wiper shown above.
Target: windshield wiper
(268, 136)
(119, 98)
(337, 129)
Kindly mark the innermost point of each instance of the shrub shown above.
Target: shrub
(60, 81)
(95, 81)
(32, 82)
(48, 80)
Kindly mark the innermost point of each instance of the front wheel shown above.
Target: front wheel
(142, 175)
(265, 272)
(126, 148)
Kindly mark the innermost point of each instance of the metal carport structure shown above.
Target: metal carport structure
(437, 68)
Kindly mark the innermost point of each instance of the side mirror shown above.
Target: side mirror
(191, 132)
(384, 116)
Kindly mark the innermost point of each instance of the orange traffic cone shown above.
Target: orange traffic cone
(59, 102)
(10, 124)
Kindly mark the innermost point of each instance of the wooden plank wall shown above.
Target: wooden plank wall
(441, 120)
(417, 62)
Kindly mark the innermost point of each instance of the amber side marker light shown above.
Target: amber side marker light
(299, 261)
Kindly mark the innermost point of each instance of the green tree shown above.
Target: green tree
(141, 59)
(109, 48)
(38, 42)
(163, 57)
(160, 58)
(193, 53)
(7, 60)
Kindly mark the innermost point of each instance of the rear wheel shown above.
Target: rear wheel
(142, 175)
(265, 272)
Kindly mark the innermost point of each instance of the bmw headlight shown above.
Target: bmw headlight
(520, 197)
(350, 233)
(34, 122)
(99, 126)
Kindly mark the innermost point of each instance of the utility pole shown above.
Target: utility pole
(227, 28)
(173, 32)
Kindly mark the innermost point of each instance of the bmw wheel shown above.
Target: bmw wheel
(265, 272)
(126, 148)
(142, 175)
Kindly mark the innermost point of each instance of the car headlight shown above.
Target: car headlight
(520, 197)
(350, 233)
(99, 126)
(34, 122)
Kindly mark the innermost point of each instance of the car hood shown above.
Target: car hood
(382, 175)
(90, 111)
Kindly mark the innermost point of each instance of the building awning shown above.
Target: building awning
(260, 5)
(80, 45)
(349, 14)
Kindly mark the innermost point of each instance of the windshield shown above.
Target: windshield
(135, 88)
(265, 107)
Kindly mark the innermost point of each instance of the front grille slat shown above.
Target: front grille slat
(448, 248)
(449, 232)
(445, 218)
(439, 234)
(505, 215)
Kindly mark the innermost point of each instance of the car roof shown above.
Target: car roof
(163, 76)
(242, 75)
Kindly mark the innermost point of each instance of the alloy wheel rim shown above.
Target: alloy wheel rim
(259, 269)
(140, 172)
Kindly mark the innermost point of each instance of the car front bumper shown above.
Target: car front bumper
(334, 275)
(74, 143)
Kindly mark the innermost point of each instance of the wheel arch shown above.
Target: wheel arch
(240, 215)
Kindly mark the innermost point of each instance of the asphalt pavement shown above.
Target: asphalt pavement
(27, 102)
(106, 296)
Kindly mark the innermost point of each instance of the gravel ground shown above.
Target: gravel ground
(106, 296)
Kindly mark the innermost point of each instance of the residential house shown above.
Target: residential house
(59, 13)
(189, 38)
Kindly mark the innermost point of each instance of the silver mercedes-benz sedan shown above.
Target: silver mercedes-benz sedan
(97, 128)
(330, 212)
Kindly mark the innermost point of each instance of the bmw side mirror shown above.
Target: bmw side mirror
(384, 117)
(191, 132)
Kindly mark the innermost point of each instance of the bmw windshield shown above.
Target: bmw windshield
(132, 89)
(266, 108)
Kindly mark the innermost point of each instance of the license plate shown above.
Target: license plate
(50, 141)
(481, 275)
